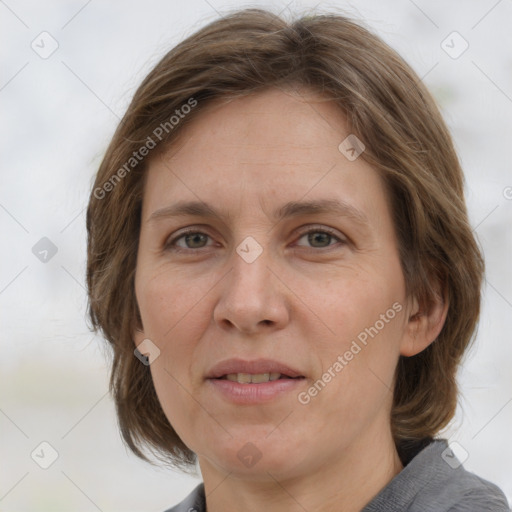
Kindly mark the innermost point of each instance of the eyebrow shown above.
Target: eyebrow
(288, 210)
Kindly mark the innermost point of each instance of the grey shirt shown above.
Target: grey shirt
(433, 480)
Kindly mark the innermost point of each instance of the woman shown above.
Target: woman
(304, 352)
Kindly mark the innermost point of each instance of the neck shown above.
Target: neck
(346, 482)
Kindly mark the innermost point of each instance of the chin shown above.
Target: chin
(256, 455)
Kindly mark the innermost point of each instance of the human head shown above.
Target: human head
(405, 140)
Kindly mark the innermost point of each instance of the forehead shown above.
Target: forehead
(254, 151)
(273, 120)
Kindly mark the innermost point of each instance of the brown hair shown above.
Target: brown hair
(407, 142)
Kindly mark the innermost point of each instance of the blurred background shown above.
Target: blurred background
(69, 70)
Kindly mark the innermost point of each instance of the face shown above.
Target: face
(291, 274)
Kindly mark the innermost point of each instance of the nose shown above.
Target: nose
(252, 298)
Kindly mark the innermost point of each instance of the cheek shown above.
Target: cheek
(356, 386)
(362, 306)
(167, 301)
(176, 399)
(174, 316)
(366, 316)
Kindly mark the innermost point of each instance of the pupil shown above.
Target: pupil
(313, 236)
(195, 237)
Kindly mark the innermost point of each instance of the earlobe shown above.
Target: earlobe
(424, 325)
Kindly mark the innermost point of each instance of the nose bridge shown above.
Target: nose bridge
(250, 295)
(250, 262)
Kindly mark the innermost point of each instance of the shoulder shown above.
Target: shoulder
(467, 492)
(435, 479)
(194, 502)
(454, 488)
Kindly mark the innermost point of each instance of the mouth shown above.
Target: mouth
(252, 372)
(256, 378)
(243, 382)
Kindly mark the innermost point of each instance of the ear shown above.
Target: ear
(424, 324)
(138, 336)
(137, 327)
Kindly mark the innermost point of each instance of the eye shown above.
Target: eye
(320, 238)
(191, 239)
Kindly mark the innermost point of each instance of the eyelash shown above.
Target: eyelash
(171, 244)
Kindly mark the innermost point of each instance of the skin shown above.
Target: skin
(302, 301)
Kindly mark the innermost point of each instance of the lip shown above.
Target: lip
(251, 394)
(256, 366)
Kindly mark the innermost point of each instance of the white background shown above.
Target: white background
(58, 115)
